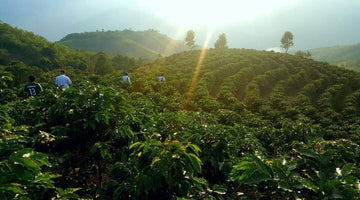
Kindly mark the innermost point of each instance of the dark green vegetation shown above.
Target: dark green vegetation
(238, 124)
(344, 56)
(33, 50)
(145, 44)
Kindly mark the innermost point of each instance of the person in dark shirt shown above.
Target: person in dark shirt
(33, 88)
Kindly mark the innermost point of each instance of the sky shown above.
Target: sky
(254, 24)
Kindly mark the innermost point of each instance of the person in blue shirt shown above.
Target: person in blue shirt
(162, 78)
(63, 80)
(126, 78)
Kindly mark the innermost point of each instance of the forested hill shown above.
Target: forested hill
(34, 50)
(17, 45)
(346, 56)
(144, 44)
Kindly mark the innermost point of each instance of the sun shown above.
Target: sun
(211, 12)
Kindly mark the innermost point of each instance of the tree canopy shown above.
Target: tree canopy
(287, 40)
(221, 42)
(304, 54)
(190, 39)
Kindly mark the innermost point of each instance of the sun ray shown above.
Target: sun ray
(195, 78)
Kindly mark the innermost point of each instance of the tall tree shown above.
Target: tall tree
(287, 41)
(221, 42)
(190, 36)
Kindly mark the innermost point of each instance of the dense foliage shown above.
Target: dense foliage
(226, 124)
(144, 44)
(33, 50)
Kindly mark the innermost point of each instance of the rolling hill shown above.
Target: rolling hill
(226, 124)
(34, 50)
(144, 44)
(345, 56)
(264, 83)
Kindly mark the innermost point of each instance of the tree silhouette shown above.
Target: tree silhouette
(221, 42)
(190, 35)
(287, 41)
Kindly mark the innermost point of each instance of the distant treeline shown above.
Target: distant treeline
(144, 44)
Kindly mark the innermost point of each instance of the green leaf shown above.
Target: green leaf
(310, 185)
(306, 152)
(105, 153)
(12, 188)
(29, 164)
(22, 173)
(244, 177)
(195, 163)
(194, 148)
(95, 147)
(71, 190)
(155, 160)
(134, 145)
(60, 191)
(219, 189)
(200, 180)
(346, 170)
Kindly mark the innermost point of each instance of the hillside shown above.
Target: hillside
(144, 44)
(346, 56)
(33, 50)
(265, 83)
(226, 124)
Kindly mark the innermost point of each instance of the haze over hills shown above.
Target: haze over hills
(144, 44)
(346, 56)
(256, 24)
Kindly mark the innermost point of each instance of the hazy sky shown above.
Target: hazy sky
(257, 24)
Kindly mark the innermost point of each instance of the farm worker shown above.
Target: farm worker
(63, 80)
(162, 78)
(33, 88)
(126, 78)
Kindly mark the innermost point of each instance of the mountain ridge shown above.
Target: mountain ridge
(146, 44)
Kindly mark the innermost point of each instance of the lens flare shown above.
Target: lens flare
(195, 78)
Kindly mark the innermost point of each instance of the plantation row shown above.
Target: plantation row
(253, 81)
(242, 124)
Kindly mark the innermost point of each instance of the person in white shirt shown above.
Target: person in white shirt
(63, 80)
(126, 78)
(162, 78)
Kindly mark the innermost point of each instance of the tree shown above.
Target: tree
(221, 42)
(190, 35)
(287, 41)
(102, 64)
(303, 54)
